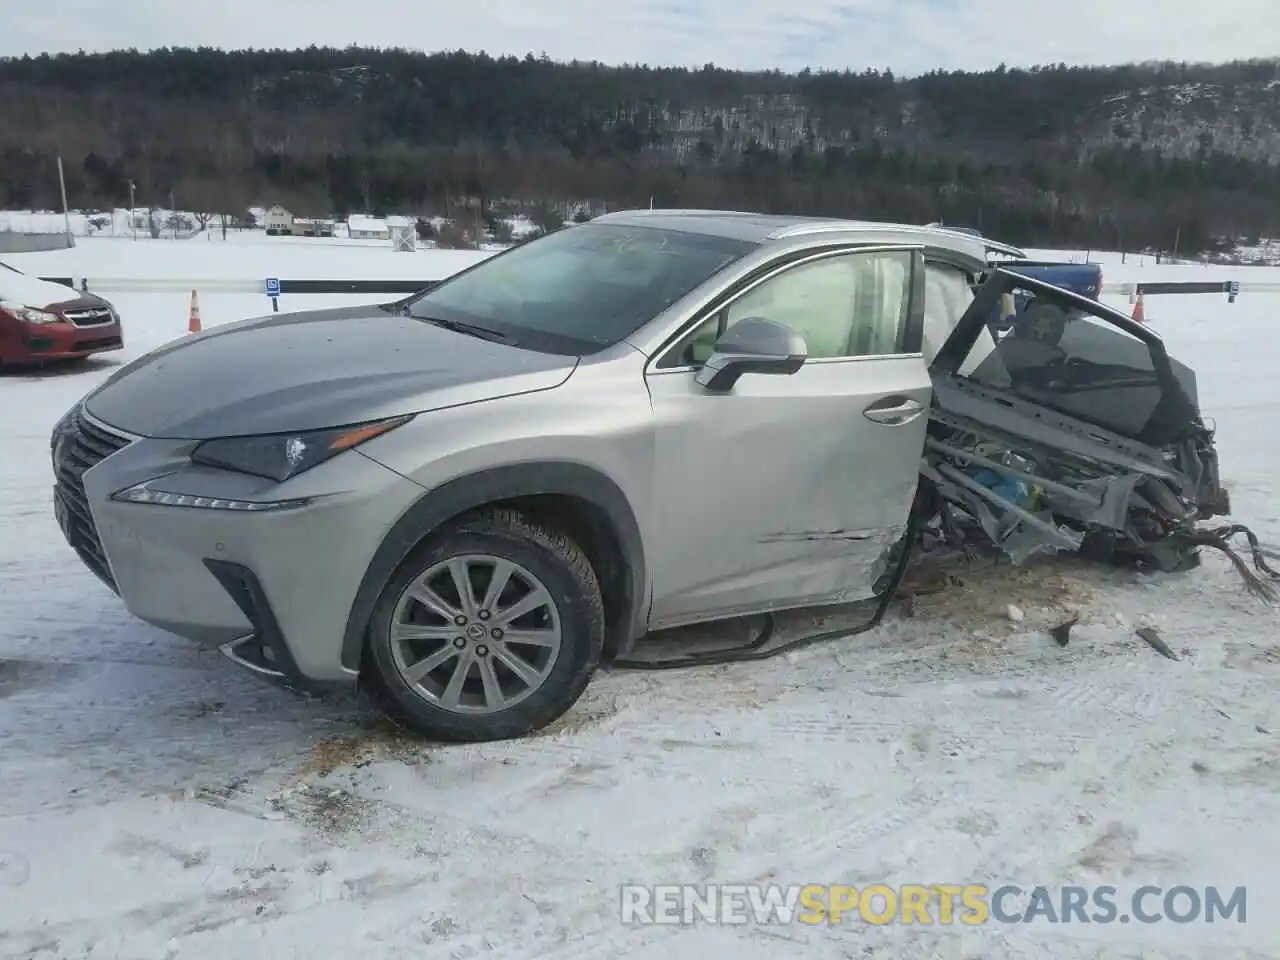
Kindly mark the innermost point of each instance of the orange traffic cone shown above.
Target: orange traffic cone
(193, 319)
(1139, 312)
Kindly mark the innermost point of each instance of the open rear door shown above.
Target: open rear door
(1101, 367)
(1042, 442)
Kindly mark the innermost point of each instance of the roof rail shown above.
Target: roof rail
(816, 226)
(676, 212)
(993, 246)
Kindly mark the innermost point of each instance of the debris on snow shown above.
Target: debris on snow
(1062, 632)
(1039, 595)
(1150, 635)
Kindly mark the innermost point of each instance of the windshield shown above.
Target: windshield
(580, 289)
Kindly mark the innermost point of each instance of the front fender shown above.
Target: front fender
(461, 494)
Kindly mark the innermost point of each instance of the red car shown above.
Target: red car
(42, 321)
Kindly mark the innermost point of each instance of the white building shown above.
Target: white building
(278, 221)
(312, 227)
(360, 227)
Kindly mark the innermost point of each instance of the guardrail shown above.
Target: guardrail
(1189, 287)
(275, 288)
(165, 284)
(1232, 288)
(272, 288)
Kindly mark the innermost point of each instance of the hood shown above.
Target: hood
(21, 290)
(309, 371)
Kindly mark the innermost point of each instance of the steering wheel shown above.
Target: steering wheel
(629, 244)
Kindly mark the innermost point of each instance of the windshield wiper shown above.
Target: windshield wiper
(470, 329)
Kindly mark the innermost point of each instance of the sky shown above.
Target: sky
(907, 36)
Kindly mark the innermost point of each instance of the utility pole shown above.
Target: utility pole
(133, 220)
(62, 183)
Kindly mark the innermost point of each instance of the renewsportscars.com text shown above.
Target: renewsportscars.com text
(928, 904)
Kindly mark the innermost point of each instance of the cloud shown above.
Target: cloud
(908, 36)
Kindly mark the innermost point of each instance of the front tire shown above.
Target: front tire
(490, 629)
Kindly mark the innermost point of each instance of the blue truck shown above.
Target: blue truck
(1039, 321)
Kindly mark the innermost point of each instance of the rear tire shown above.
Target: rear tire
(465, 669)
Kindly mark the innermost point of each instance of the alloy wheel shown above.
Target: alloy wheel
(475, 634)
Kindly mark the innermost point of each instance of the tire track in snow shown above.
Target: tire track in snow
(1120, 699)
(1025, 722)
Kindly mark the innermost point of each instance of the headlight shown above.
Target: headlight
(143, 493)
(281, 456)
(31, 315)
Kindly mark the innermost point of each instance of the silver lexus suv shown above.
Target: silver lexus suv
(470, 499)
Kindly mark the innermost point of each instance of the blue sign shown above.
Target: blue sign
(273, 287)
(1234, 291)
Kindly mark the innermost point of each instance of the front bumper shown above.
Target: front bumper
(271, 589)
(65, 341)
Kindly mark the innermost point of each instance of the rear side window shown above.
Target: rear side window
(1081, 365)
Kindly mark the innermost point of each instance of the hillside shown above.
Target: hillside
(1158, 155)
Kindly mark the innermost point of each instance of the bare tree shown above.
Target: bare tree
(203, 196)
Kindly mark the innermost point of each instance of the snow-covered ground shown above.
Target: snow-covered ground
(156, 803)
(122, 223)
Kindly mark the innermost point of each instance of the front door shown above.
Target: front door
(789, 490)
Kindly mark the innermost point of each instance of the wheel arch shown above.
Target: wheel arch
(583, 502)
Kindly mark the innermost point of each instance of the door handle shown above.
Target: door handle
(894, 416)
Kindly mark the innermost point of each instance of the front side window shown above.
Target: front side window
(580, 289)
(851, 305)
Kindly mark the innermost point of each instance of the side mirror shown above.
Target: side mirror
(752, 345)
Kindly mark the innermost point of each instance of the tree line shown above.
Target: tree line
(1053, 155)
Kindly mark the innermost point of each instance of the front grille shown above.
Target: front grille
(101, 343)
(47, 345)
(90, 317)
(83, 445)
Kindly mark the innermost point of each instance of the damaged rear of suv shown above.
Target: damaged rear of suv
(1090, 441)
